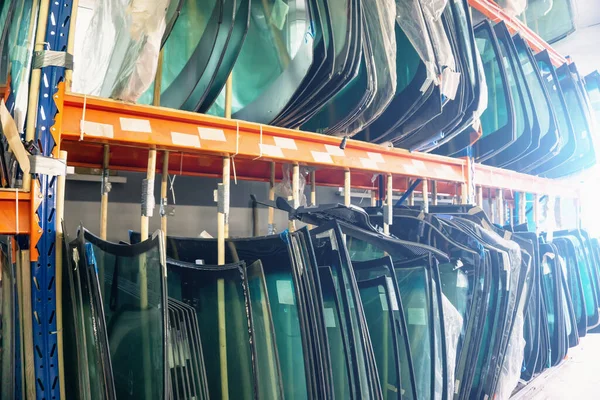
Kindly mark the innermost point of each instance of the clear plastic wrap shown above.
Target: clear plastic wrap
(511, 368)
(547, 222)
(432, 11)
(284, 188)
(517, 7)
(453, 323)
(383, 39)
(121, 48)
(410, 18)
(21, 39)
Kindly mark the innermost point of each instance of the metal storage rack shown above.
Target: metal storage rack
(203, 145)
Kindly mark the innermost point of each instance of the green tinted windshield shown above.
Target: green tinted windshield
(551, 20)
(495, 116)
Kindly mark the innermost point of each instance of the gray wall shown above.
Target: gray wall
(195, 210)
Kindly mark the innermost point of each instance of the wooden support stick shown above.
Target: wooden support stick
(147, 208)
(272, 198)
(164, 198)
(158, 80)
(411, 196)
(373, 198)
(27, 324)
(480, 197)
(434, 193)
(493, 205)
(222, 217)
(536, 211)
(60, 215)
(295, 193)
(389, 203)
(522, 208)
(313, 189)
(500, 207)
(347, 188)
(464, 193)
(228, 96)
(425, 195)
(104, 192)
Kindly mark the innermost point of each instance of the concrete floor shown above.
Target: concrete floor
(578, 378)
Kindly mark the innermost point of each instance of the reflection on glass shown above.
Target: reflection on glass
(495, 116)
(269, 378)
(413, 287)
(219, 296)
(131, 279)
(553, 23)
(378, 306)
(340, 356)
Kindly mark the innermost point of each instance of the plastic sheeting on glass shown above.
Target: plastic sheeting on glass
(21, 41)
(121, 49)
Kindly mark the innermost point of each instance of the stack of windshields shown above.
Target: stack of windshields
(581, 117)
(552, 20)
(115, 317)
(268, 302)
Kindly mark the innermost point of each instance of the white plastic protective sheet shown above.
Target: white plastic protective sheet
(453, 323)
(515, 353)
(121, 48)
(284, 188)
(411, 20)
(517, 7)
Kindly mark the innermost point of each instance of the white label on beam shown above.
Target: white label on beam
(418, 164)
(285, 143)
(216, 135)
(322, 157)
(135, 125)
(97, 129)
(410, 169)
(369, 163)
(184, 139)
(335, 150)
(376, 157)
(270, 150)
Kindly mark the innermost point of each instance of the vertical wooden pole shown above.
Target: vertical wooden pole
(492, 202)
(222, 222)
(522, 208)
(71, 50)
(27, 323)
(228, 96)
(464, 193)
(425, 189)
(411, 196)
(295, 193)
(60, 215)
(500, 207)
(313, 189)
(480, 197)
(347, 188)
(39, 12)
(558, 213)
(373, 198)
(389, 204)
(164, 198)
(272, 198)
(536, 212)
(104, 195)
(434, 193)
(148, 197)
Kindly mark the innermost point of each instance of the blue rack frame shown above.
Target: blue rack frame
(43, 271)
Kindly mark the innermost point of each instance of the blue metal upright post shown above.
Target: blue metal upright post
(43, 270)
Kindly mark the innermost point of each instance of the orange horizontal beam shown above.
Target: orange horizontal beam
(15, 212)
(120, 124)
(496, 14)
(491, 177)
